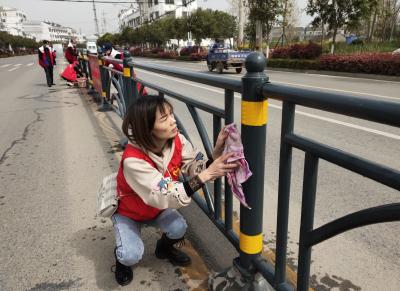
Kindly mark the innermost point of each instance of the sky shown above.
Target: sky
(80, 15)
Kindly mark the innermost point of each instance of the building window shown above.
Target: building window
(169, 1)
(150, 2)
(155, 2)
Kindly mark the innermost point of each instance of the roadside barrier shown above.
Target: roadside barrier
(256, 90)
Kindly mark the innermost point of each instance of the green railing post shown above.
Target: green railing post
(130, 91)
(90, 78)
(104, 75)
(254, 117)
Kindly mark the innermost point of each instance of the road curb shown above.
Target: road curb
(340, 74)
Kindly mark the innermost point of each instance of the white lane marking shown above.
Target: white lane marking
(363, 128)
(316, 87)
(338, 90)
(6, 65)
(383, 133)
(288, 72)
(30, 64)
(17, 65)
(13, 69)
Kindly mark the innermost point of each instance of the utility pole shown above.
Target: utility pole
(259, 36)
(104, 23)
(96, 23)
(241, 24)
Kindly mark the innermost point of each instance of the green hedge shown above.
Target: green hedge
(376, 63)
(299, 64)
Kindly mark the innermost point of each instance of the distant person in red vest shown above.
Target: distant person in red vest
(53, 51)
(148, 187)
(109, 51)
(46, 61)
(71, 53)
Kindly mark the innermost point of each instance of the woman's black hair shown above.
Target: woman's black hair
(140, 118)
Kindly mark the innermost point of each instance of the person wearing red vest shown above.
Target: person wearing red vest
(148, 186)
(71, 54)
(109, 51)
(46, 61)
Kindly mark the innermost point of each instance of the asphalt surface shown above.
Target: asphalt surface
(363, 259)
(54, 150)
(53, 153)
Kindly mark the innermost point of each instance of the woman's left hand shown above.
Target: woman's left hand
(219, 145)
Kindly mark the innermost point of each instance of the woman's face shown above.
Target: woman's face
(165, 124)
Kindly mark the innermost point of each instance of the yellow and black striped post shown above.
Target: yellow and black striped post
(254, 117)
(130, 90)
(104, 83)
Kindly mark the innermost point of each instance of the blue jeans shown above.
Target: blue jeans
(130, 246)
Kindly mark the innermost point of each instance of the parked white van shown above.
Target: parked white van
(91, 47)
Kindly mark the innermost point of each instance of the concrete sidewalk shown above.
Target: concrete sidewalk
(50, 174)
(150, 273)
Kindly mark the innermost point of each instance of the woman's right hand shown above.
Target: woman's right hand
(218, 168)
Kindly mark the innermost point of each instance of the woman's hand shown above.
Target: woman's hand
(219, 145)
(218, 168)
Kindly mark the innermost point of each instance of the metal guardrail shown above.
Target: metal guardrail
(256, 89)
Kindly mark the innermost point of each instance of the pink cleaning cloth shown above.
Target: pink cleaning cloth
(233, 143)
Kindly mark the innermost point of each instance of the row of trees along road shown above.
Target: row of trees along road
(16, 42)
(201, 23)
(374, 19)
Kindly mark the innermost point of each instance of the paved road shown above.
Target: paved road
(54, 151)
(362, 259)
(49, 144)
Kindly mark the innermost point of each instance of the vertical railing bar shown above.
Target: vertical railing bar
(182, 129)
(206, 192)
(307, 219)
(229, 118)
(217, 182)
(209, 202)
(201, 129)
(285, 166)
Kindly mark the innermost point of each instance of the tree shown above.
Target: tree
(265, 11)
(337, 13)
(200, 24)
(224, 25)
(106, 38)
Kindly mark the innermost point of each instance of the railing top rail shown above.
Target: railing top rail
(207, 79)
(211, 80)
(382, 111)
(113, 70)
(112, 60)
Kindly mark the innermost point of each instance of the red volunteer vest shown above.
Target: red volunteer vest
(130, 204)
(120, 68)
(42, 62)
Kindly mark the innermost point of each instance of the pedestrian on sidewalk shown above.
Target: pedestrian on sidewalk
(148, 188)
(53, 51)
(46, 61)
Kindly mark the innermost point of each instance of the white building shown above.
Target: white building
(148, 11)
(12, 20)
(46, 30)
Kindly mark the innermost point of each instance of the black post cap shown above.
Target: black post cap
(255, 62)
(128, 60)
(127, 54)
